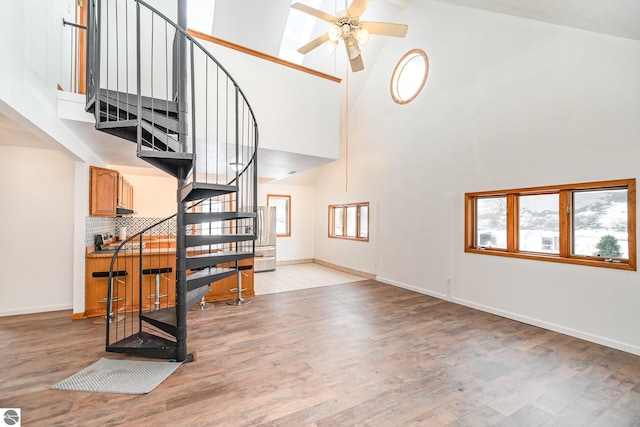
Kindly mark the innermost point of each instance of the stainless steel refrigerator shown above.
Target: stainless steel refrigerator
(266, 239)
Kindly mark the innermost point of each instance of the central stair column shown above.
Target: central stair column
(181, 276)
(181, 244)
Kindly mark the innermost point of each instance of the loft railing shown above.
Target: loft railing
(74, 81)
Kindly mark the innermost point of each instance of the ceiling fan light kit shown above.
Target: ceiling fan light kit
(347, 26)
(362, 36)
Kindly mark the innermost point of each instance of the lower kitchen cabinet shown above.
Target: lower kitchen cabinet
(163, 268)
(96, 288)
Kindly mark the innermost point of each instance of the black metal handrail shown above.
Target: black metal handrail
(202, 65)
(73, 24)
(149, 81)
(114, 262)
(74, 52)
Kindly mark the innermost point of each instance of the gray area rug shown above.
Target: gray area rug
(119, 376)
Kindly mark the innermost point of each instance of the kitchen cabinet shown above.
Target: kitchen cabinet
(127, 286)
(108, 191)
(159, 253)
(96, 288)
(125, 193)
(103, 191)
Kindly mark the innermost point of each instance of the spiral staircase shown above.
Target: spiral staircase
(151, 83)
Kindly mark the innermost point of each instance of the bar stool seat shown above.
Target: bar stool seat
(109, 316)
(158, 272)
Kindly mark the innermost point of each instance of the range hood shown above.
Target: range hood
(123, 211)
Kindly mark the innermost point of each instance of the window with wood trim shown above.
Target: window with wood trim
(283, 213)
(349, 221)
(588, 224)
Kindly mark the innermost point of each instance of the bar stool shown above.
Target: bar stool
(109, 316)
(158, 272)
(239, 300)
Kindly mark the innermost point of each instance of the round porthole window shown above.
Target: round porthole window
(409, 76)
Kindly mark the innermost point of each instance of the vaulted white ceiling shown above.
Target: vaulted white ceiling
(262, 25)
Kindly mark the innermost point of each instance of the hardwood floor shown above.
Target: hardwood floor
(362, 353)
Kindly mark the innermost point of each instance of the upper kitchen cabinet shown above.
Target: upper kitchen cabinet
(125, 193)
(109, 192)
(103, 191)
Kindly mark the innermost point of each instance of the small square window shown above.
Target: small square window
(349, 221)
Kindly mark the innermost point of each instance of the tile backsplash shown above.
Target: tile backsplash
(95, 225)
(137, 224)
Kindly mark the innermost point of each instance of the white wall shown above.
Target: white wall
(35, 51)
(509, 103)
(36, 230)
(296, 112)
(299, 246)
(153, 196)
(154, 192)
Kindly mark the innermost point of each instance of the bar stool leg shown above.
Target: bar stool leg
(157, 302)
(157, 272)
(239, 300)
(109, 316)
(203, 305)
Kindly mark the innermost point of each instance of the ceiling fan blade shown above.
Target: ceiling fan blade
(358, 7)
(313, 44)
(385, 28)
(314, 12)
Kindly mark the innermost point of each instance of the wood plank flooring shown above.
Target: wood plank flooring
(362, 353)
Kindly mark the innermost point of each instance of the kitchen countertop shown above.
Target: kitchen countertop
(131, 252)
(150, 246)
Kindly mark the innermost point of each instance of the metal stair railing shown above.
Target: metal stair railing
(132, 62)
(152, 83)
(149, 248)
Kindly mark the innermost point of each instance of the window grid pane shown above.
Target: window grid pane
(337, 221)
(491, 222)
(539, 223)
(281, 215)
(600, 223)
(282, 203)
(363, 231)
(351, 220)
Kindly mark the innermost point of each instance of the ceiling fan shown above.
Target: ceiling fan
(348, 27)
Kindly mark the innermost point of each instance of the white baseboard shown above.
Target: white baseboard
(552, 327)
(294, 261)
(412, 288)
(618, 345)
(32, 310)
(345, 269)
